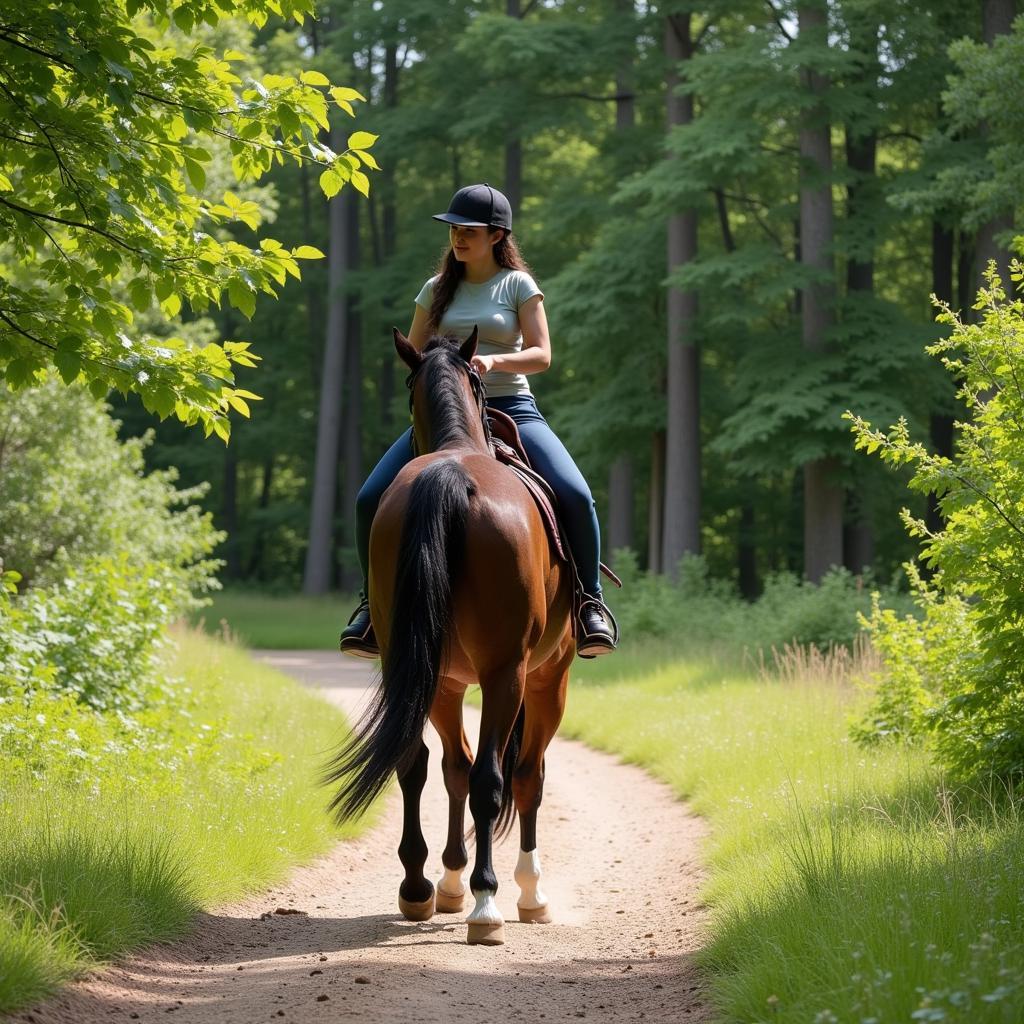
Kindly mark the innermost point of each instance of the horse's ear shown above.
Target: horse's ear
(468, 348)
(407, 350)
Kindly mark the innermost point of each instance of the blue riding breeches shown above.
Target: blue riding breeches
(548, 456)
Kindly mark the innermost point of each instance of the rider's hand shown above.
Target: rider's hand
(482, 364)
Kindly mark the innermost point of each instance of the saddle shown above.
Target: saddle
(509, 450)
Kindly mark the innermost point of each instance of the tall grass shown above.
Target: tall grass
(213, 795)
(846, 885)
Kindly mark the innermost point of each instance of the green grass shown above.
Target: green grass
(846, 885)
(125, 830)
(291, 622)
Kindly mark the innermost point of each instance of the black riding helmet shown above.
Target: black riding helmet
(478, 206)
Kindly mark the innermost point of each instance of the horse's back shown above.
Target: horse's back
(511, 598)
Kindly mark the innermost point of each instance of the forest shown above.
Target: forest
(739, 214)
(779, 248)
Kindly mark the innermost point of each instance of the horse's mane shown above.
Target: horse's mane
(444, 369)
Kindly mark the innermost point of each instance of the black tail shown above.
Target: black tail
(429, 562)
(507, 810)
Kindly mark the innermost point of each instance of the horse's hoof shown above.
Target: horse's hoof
(486, 934)
(537, 915)
(447, 904)
(416, 911)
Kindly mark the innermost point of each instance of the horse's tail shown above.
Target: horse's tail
(429, 562)
(507, 808)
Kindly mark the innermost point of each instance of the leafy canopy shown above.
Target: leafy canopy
(102, 167)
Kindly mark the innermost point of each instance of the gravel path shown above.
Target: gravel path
(621, 868)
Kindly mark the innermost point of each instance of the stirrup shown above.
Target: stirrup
(590, 645)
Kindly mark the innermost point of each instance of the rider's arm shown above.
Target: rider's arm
(536, 353)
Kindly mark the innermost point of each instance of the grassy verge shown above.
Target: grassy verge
(114, 830)
(847, 885)
(291, 622)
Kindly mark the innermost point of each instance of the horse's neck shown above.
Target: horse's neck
(452, 420)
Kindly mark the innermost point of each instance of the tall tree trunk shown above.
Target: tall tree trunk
(620, 473)
(351, 576)
(620, 504)
(861, 152)
(317, 577)
(823, 497)
(389, 239)
(746, 552)
(682, 437)
(940, 422)
(996, 19)
(656, 504)
(746, 549)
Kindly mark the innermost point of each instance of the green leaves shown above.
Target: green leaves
(96, 241)
(956, 676)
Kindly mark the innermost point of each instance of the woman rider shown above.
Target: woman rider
(482, 281)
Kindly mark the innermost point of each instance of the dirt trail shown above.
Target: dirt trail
(621, 868)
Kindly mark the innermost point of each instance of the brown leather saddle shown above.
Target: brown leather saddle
(509, 450)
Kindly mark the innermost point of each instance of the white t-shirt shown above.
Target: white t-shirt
(493, 307)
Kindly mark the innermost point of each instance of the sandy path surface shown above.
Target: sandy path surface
(621, 868)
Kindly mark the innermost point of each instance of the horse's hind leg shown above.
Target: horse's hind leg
(456, 762)
(416, 893)
(502, 697)
(545, 704)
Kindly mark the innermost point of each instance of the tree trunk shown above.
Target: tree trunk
(682, 437)
(620, 504)
(351, 576)
(317, 577)
(940, 423)
(620, 473)
(386, 383)
(656, 503)
(823, 497)
(746, 553)
(861, 153)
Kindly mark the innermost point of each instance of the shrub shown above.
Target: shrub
(955, 677)
(700, 611)
(106, 555)
(69, 490)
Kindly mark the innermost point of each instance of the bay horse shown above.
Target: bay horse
(464, 589)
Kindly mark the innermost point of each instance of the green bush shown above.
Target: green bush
(700, 611)
(69, 489)
(956, 675)
(105, 555)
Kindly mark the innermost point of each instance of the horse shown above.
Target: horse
(464, 589)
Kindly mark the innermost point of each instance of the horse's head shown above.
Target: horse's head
(446, 395)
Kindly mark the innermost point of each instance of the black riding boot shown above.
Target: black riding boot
(597, 632)
(358, 637)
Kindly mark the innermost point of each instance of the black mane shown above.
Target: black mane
(444, 369)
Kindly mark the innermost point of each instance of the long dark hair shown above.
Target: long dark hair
(450, 273)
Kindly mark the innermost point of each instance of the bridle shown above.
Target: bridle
(476, 383)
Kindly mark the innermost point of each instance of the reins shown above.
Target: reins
(476, 382)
